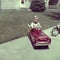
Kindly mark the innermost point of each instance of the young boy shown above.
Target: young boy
(35, 24)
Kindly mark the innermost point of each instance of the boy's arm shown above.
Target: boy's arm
(39, 25)
(32, 25)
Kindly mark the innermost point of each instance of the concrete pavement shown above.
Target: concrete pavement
(21, 49)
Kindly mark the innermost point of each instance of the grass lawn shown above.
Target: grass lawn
(13, 24)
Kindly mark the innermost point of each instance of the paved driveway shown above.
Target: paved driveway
(21, 49)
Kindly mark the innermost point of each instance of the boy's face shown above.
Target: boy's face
(35, 20)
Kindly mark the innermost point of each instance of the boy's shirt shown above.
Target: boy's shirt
(37, 25)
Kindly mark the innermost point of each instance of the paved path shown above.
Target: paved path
(21, 49)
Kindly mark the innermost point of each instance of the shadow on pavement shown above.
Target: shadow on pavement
(41, 48)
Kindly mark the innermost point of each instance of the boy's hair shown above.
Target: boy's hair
(35, 17)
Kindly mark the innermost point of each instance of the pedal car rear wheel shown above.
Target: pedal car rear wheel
(54, 32)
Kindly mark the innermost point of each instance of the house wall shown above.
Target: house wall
(46, 3)
(10, 4)
(27, 4)
(13, 4)
(58, 5)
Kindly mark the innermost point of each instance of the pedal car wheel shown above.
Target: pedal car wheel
(54, 32)
(58, 26)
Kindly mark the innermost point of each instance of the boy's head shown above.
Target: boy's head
(35, 19)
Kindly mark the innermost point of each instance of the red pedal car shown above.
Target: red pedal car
(39, 38)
